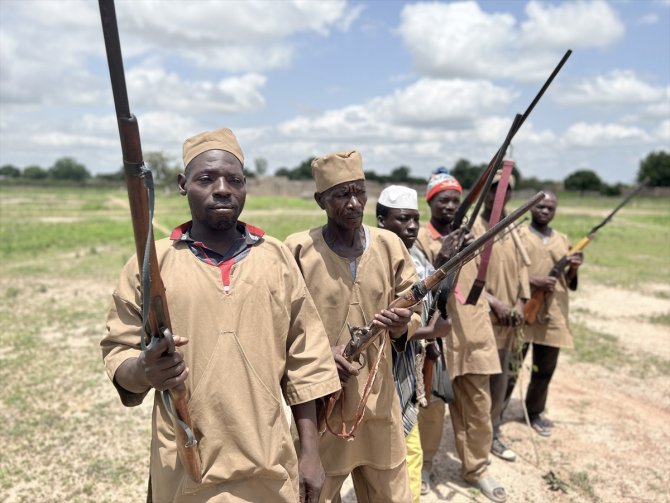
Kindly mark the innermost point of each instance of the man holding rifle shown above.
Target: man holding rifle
(353, 273)
(506, 290)
(248, 333)
(551, 330)
(470, 351)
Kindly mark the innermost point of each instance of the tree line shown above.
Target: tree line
(655, 168)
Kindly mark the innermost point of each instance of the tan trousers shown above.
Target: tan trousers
(431, 422)
(371, 485)
(471, 420)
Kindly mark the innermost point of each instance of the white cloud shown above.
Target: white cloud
(155, 88)
(576, 24)
(234, 36)
(601, 135)
(428, 103)
(459, 39)
(619, 87)
(647, 19)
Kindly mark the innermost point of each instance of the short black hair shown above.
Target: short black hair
(382, 211)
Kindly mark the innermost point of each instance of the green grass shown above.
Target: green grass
(660, 319)
(582, 481)
(605, 350)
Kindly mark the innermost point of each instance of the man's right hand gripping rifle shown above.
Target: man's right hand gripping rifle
(155, 367)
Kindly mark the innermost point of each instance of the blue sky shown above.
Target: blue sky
(420, 84)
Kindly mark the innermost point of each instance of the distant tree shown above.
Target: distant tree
(35, 172)
(303, 171)
(10, 171)
(283, 171)
(399, 175)
(583, 180)
(611, 190)
(116, 176)
(517, 175)
(248, 173)
(656, 167)
(261, 166)
(67, 168)
(374, 177)
(163, 166)
(466, 173)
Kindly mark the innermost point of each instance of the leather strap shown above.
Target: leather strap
(498, 204)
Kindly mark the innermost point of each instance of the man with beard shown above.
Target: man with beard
(249, 334)
(470, 351)
(551, 331)
(506, 291)
(353, 273)
(398, 212)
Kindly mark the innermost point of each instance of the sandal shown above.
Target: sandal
(542, 425)
(502, 451)
(492, 489)
(425, 482)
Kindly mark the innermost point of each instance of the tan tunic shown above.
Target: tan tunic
(471, 345)
(247, 348)
(384, 271)
(544, 252)
(506, 279)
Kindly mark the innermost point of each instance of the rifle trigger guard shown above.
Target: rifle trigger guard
(361, 360)
(168, 335)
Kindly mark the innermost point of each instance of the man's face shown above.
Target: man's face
(490, 197)
(402, 222)
(443, 205)
(216, 189)
(344, 203)
(543, 212)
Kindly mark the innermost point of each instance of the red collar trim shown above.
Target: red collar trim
(433, 232)
(179, 231)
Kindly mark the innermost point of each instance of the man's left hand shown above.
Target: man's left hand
(394, 320)
(312, 477)
(575, 260)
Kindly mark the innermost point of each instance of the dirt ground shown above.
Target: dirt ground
(66, 437)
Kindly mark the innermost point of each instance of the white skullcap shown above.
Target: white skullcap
(397, 196)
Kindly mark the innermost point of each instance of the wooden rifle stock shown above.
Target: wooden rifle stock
(535, 303)
(138, 180)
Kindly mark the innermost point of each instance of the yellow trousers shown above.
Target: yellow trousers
(414, 462)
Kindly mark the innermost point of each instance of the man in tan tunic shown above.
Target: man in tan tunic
(507, 290)
(353, 273)
(249, 333)
(551, 331)
(470, 351)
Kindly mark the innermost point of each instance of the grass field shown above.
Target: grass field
(65, 435)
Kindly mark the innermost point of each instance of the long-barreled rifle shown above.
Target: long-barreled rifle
(155, 314)
(482, 185)
(363, 337)
(533, 306)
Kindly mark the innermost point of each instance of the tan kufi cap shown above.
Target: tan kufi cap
(219, 139)
(333, 169)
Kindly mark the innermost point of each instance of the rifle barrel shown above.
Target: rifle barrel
(619, 206)
(110, 31)
(516, 125)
